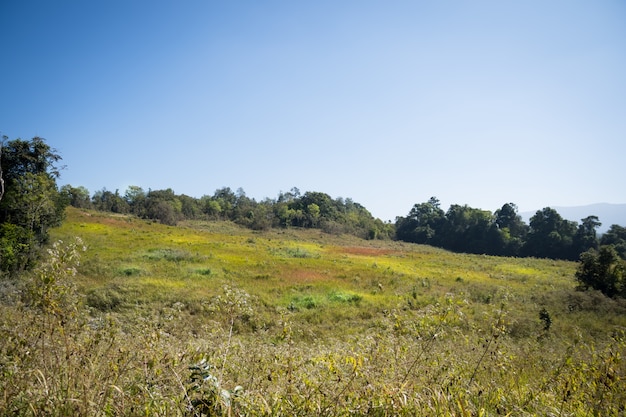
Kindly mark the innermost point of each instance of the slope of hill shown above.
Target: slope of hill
(211, 318)
(608, 214)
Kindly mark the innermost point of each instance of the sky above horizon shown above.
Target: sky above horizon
(387, 103)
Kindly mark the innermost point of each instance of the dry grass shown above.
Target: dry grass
(212, 319)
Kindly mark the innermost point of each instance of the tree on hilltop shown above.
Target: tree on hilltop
(422, 224)
(615, 236)
(550, 236)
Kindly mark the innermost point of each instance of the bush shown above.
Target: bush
(105, 299)
(130, 271)
(172, 255)
(343, 297)
(15, 247)
(602, 270)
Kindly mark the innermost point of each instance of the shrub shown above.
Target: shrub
(602, 270)
(299, 253)
(344, 297)
(172, 255)
(105, 299)
(544, 316)
(130, 271)
(15, 247)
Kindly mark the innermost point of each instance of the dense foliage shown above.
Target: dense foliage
(308, 210)
(30, 202)
(471, 230)
(603, 270)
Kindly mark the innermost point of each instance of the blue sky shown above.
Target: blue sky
(385, 102)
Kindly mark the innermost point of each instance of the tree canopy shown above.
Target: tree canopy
(471, 230)
(290, 209)
(603, 270)
(31, 202)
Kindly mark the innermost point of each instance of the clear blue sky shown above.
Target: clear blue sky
(385, 102)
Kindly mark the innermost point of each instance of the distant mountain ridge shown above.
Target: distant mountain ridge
(608, 214)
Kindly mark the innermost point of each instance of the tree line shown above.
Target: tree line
(31, 203)
(459, 229)
(504, 233)
(290, 209)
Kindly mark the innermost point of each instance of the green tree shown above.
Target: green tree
(585, 237)
(324, 203)
(423, 224)
(313, 214)
(210, 207)
(469, 230)
(308, 210)
(31, 202)
(164, 206)
(190, 207)
(76, 196)
(602, 270)
(512, 229)
(135, 197)
(35, 156)
(262, 216)
(105, 200)
(164, 212)
(16, 245)
(227, 201)
(244, 208)
(550, 236)
(616, 236)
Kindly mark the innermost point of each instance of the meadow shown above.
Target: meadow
(208, 318)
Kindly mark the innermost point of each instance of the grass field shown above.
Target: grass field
(210, 318)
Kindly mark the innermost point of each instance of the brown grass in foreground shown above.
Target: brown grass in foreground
(167, 321)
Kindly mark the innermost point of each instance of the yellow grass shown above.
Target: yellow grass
(307, 324)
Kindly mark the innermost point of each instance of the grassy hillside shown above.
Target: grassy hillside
(165, 320)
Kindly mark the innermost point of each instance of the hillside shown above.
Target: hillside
(210, 317)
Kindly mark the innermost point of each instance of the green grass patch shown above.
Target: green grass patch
(344, 297)
(203, 271)
(307, 302)
(109, 298)
(130, 271)
(295, 252)
(170, 255)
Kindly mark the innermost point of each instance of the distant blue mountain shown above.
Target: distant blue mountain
(607, 213)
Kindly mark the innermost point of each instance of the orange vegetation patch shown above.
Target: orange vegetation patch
(303, 275)
(118, 222)
(364, 251)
